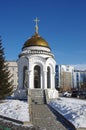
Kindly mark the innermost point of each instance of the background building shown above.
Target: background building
(13, 68)
(70, 77)
(79, 79)
(64, 77)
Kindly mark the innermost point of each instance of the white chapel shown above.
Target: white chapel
(36, 65)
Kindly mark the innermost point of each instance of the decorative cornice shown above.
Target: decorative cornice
(33, 52)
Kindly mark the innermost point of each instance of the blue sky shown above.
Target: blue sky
(62, 24)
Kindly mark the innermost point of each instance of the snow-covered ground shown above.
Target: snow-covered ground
(15, 109)
(72, 109)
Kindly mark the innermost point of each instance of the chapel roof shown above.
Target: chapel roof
(36, 40)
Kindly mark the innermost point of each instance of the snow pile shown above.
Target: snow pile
(15, 109)
(72, 109)
(53, 93)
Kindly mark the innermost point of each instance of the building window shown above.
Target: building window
(67, 69)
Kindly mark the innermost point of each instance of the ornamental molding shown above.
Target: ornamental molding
(37, 59)
(36, 48)
(33, 52)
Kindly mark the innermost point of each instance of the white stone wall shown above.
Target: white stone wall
(22, 62)
(31, 60)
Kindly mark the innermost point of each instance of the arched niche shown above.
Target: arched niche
(25, 77)
(37, 76)
(48, 77)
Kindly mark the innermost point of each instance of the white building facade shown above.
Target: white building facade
(36, 66)
(65, 77)
(79, 78)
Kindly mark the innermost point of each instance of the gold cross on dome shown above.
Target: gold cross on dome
(36, 26)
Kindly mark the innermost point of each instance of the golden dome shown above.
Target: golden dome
(36, 40)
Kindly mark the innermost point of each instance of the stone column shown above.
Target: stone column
(30, 79)
(45, 80)
(53, 80)
(41, 80)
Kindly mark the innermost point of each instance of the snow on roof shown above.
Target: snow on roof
(80, 67)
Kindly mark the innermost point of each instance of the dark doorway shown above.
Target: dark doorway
(48, 77)
(37, 76)
(25, 77)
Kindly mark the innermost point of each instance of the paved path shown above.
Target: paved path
(43, 117)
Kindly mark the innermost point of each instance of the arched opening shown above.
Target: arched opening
(48, 77)
(37, 77)
(25, 77)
